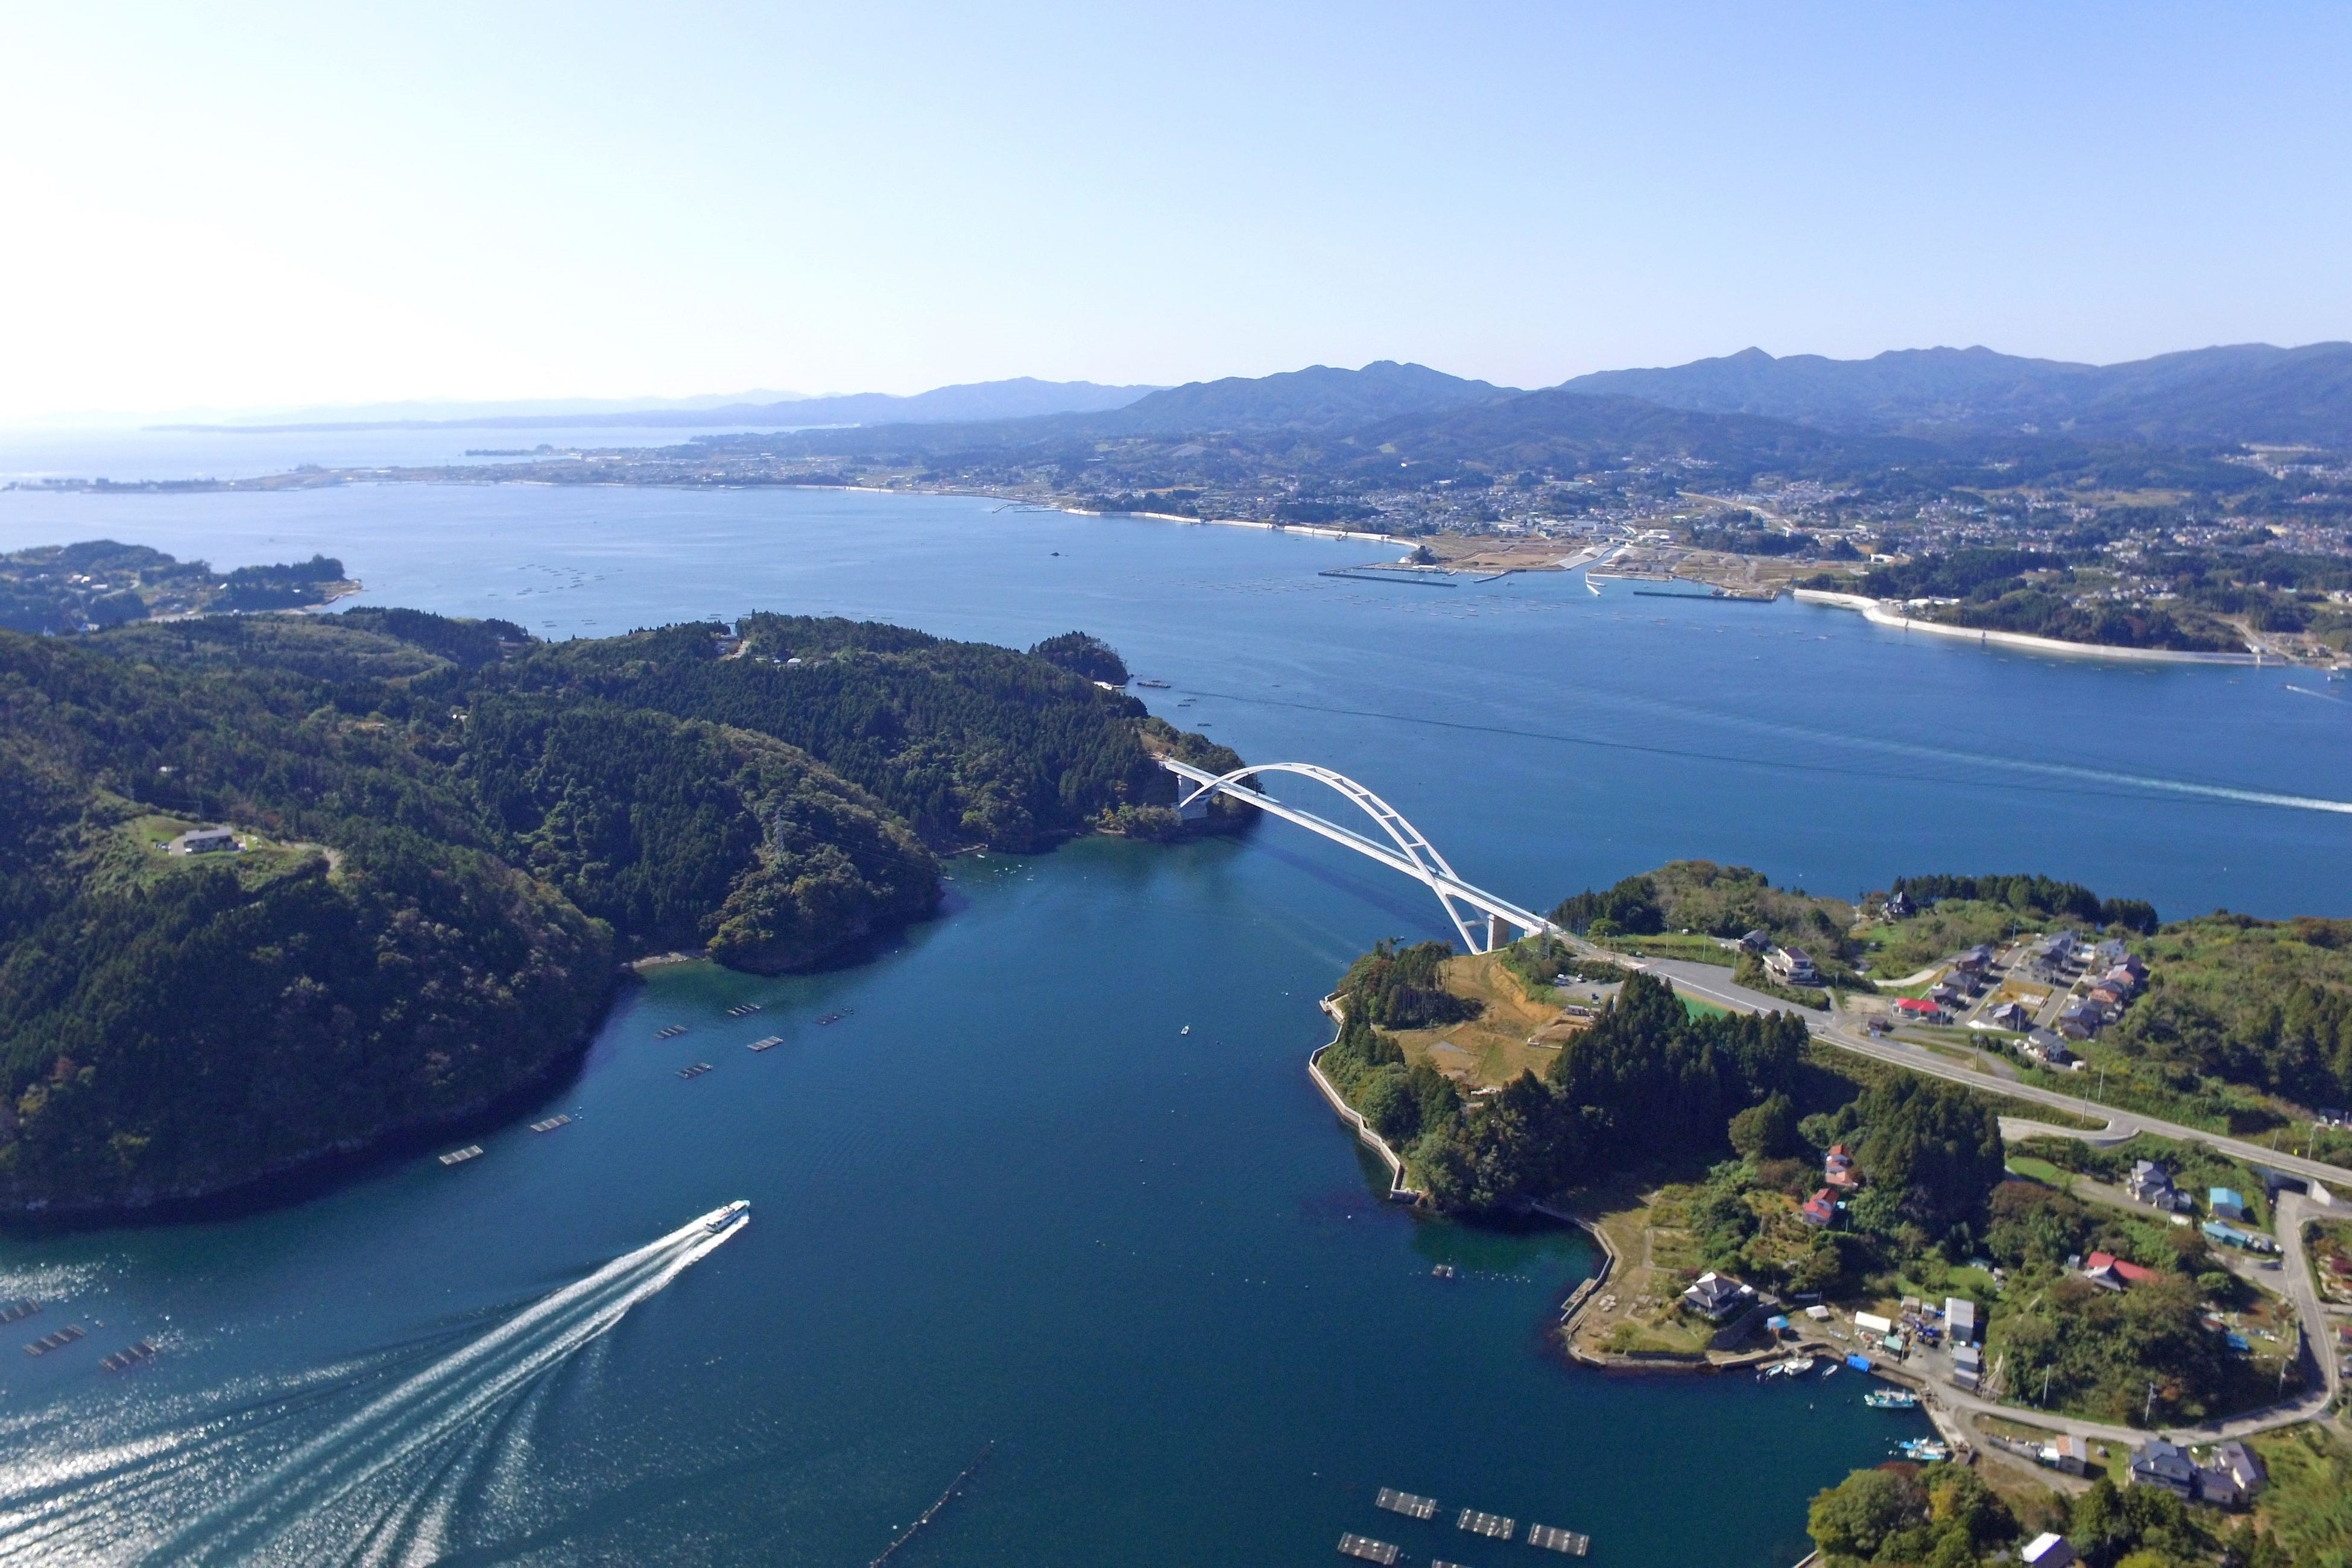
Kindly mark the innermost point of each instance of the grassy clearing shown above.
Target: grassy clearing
(1692, 949)
(1637, 1312)
(1513, 1032)
(2308, 1504)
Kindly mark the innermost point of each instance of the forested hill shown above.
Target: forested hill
(451, 835)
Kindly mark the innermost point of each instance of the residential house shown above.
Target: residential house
(2151, 1184)
(1790, 966)
(2109, 1272)
(1837, 1168)
(2225, 1202)
(1820, 1209)
(1968, 1367)
(2053, 955)
(1716, 1297)
(1974, 961)
(1960, 1320)
(2157, 1463)
(2048, 1047)
(1755, 942)
(2011, 1015)
(1945, 994)
(2072, 1454)
(203, 841)
(1920, 1010)
(2080, 1019)
(2232, 1477)
(2048, 1550)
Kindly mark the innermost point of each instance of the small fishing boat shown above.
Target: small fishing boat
(1925, 1450)
(1155, 685)
(1891, 1399)
(1185, 1030)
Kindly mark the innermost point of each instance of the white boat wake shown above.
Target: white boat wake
(377, 1486)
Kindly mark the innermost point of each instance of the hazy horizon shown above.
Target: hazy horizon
(293, 209)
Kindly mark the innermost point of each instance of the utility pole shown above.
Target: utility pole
(2149, 1414)
(2043, 1403)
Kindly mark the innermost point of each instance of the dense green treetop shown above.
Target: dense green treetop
(451, 833)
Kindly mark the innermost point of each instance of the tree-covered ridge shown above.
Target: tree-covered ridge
(968, 743)
(57, 589)
(2266, 1003)
(452, 834)
(2032, 895)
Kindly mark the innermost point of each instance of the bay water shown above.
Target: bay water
(1052, 1178)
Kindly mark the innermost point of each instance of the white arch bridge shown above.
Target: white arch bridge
(1407, 851)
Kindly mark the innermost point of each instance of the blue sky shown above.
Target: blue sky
(288, 205)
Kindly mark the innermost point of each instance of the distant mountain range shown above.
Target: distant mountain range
(1019, 399)
(2246, 391)
(1315, 398)
(1949, 398)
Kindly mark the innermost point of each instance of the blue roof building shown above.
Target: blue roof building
(2225, 1204)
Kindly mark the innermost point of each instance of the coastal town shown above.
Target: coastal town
(2131, 1220)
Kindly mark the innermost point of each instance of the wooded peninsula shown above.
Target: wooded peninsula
(443, 840)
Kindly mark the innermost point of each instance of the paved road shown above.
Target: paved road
(2292, 1210)
(1710, 984)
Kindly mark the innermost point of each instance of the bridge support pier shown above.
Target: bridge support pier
(1498, 932)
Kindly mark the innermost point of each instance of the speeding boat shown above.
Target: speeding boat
(740, 1209)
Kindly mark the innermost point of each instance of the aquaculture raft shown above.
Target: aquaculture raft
(696, 1071)
(1370, 1551)
(1405, 1503)
(57, 1341)
(1551, 1538)
(768, 1044)
(550, 1124)
(1493, 1525)
(460, 1156)
(745, 1011)
(136, 1355)
(16, 1310)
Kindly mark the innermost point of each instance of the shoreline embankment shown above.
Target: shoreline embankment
(1883, 612)
(1399, 1191)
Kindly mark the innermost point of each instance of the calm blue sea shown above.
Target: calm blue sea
(1004, 1198)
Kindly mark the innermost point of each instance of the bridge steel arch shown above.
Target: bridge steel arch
(1408, 849)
